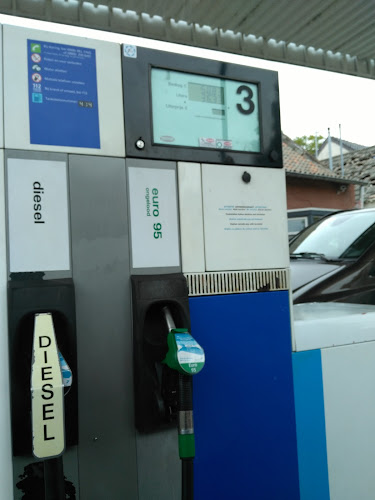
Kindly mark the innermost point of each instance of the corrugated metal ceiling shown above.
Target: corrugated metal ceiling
(337, 35)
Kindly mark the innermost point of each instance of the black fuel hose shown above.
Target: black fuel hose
(187, 478)
(54, 485)
(186, 434)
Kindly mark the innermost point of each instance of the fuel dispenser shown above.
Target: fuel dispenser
(131, 248)
(210, 131)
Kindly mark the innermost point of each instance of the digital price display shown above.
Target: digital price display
(204, 112)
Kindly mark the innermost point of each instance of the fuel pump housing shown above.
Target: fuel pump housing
(155, 384)
(26, 297)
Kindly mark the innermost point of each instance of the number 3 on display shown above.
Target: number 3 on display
(251, 106)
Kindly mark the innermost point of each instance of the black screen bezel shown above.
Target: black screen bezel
(138, 109)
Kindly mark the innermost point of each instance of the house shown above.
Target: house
(359, 165)
(313, 190)
(347, 147)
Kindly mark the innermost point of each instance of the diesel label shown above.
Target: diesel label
(38, 191)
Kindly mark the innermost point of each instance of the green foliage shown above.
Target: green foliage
(308, 142)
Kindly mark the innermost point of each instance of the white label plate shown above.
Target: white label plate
(153, 213)
(38, 215)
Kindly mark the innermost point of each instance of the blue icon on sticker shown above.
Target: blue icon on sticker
(67, 376)
(37, 98)
(130, 51)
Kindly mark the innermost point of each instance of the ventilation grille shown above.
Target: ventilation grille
(237, 282)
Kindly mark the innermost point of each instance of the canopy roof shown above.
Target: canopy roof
(335, 35)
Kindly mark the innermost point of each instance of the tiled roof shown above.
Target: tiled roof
(346, 144)
(358, 165)
(298, 162)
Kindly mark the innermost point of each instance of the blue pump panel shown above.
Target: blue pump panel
(311, 430)
(243, 398)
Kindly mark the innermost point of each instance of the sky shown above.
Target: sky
(311, 101)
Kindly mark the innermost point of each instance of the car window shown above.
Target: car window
(339, 236)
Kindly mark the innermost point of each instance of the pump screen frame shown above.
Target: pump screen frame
(138, 108)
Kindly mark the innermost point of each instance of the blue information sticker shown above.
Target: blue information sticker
(63, 97)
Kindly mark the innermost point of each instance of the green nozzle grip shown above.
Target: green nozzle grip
(184, 353)
(186, 445)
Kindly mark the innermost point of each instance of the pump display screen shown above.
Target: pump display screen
(204, 112)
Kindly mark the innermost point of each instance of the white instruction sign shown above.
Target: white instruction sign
(38, 215)
(245, 224)
(153, 214)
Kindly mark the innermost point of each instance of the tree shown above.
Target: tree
(308, 142)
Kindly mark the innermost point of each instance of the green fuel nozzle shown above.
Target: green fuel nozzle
(185, 356)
